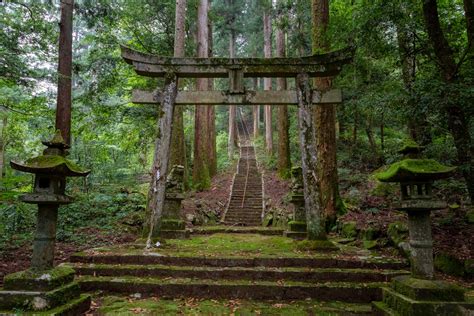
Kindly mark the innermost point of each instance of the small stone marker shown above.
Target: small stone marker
(43, 287)
(297, 227)
(420, 294)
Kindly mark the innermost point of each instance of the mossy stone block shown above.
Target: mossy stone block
(449, 264)
(37, 300)
(297, 226)
(174, 234)
(470, 217)
(370, 244)
(370, 233)
(469, 267)
(349, 229)
(427, 290)
(30, 280)
(173, 224)
(320, 245)
(403, 305)
(397, 232)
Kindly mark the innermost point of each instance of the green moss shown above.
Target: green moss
(370, 233)
(173, 224)
(124, 306)
(297, 226)
(309, 245)
(349, 229)
(383, 189)
(470, 217)
(407, 169)
(370, 244)
(39, 280)
(469, 267)
(397, 233)
(53, 161)
(427, 290)
(449, 264)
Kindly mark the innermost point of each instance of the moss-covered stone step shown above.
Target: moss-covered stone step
(37, 300)
(241, 289)
(77, 306)
(38, 281)
(208, 230)
(326, 261)
(116, 305)
(405, 305)
(274, 274)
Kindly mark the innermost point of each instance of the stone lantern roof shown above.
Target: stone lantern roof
(415, 170)
(52, 161)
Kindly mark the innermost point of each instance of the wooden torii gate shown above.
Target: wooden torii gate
(236, 69)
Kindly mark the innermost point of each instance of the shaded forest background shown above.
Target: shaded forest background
(393, 91)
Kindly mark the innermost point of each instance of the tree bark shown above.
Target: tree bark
(64, 99)
(284, 163)
(3, 142)
(211, 110)
(201, 167)
(309, 160)
(325, 117)
(469, 14)
(457, 121)
(256, 112)
(267, 82)
(178, 145)
(232, 140)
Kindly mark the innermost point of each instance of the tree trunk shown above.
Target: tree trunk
(232, 128)
(178, 145)
(309, 160)
(256, 112)
(418, 127)
(64, 101)
(211, 110)
(3, 143)
(267, 83)
(469, 14)
(325, 123)
(284, 163)
(201, 167)
(457, 122)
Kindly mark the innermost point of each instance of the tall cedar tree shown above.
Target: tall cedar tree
(325, 117)
(201, 165)
(178, 146)
(449, 71)
(64, 99)
(232, 140)
(267, 82)
(284, 163)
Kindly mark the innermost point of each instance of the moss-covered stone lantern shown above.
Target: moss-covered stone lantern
(297, 227)
(44, 287)
(419, 294)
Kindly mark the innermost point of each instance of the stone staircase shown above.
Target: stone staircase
(246, 203)
(322, 278)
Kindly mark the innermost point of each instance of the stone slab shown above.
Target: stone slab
(29, 280)
(407, 306)
(37, 300)
(295, 235)
(78, 306)
(428, 290)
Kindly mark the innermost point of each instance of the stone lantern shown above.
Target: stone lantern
(419, 294)
(43, 287)
(297, 227)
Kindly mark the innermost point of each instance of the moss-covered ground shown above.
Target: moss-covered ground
(223, 245)
(112, 305)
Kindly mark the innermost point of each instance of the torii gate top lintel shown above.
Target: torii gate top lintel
(324, 65)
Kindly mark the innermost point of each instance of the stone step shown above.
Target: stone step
(241, 289)
(238, 273)
(322, 261)
(208, 230)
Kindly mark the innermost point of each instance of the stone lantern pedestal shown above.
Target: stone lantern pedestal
(172, 225)
(45, 288)
(297, 227)
(420, 293)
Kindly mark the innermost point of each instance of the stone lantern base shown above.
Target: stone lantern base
(52, 292)
(173, 228)
(410, 296)
(296, 230)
